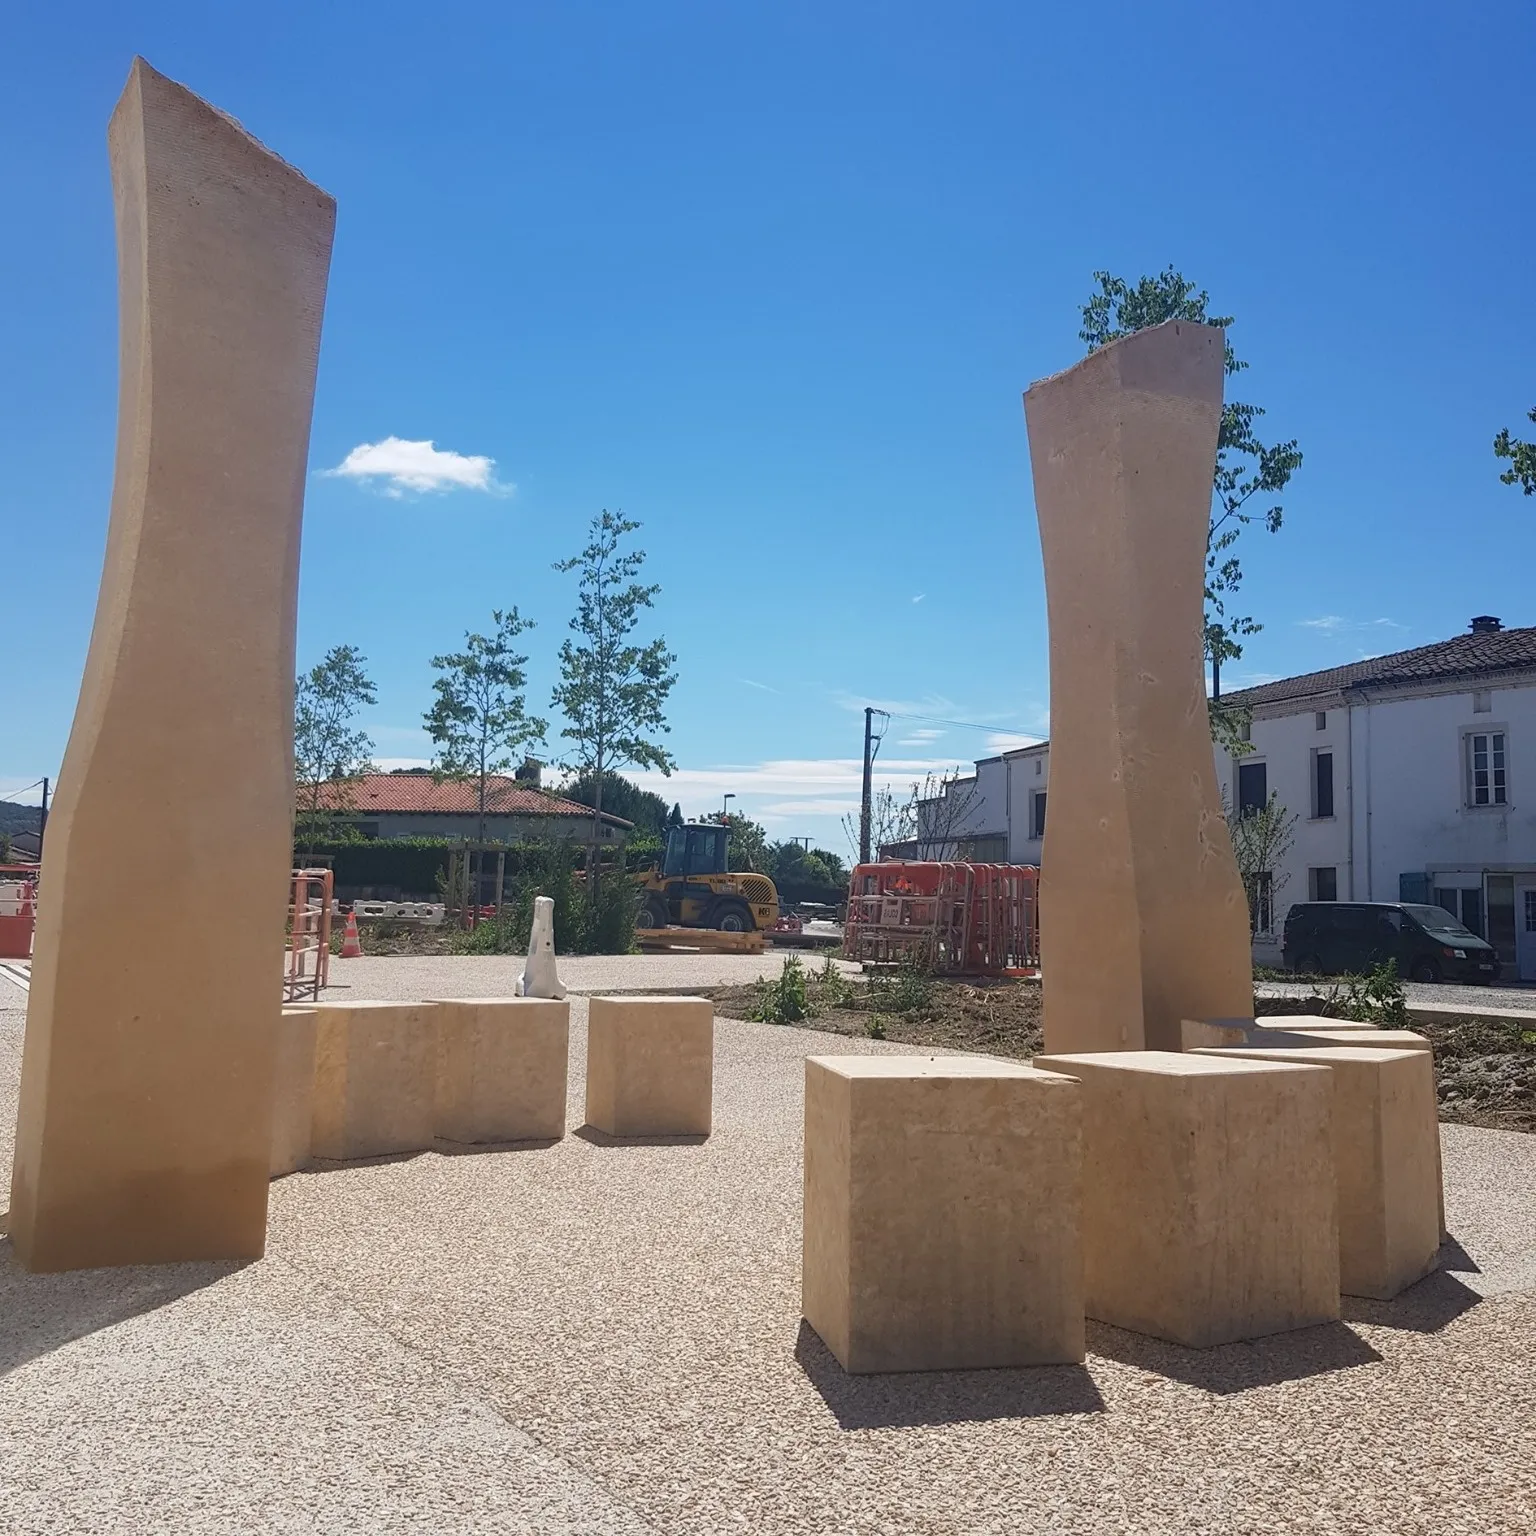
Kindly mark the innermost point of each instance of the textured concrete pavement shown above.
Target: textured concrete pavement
(591, 1337)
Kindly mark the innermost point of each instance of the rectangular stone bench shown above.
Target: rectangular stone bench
(650, 1066)
(942, 1205)
(1386, 1160)
(1281, 1031)
(375, 1079)
(1209, 1203)
(501, 1068)
(294, 1101)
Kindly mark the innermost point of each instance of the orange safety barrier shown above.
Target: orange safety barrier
(18, 910)
(309, 935)
(957, 918)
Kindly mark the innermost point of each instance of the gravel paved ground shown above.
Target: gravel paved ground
(605, 1338)
(1440, 994)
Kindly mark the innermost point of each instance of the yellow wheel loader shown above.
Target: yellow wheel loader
(693, 888)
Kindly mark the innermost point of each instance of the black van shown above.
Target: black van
(1329, 937)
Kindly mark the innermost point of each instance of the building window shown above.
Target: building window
(1261, 903)
(1323, 884)
(1482, 701)
(1037, 814)
(1038, 763)
(1320, 719)
(1487, 782)
(1322, 785)
(1530, 911)
(1252, 788)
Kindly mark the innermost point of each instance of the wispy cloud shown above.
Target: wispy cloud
(920, 736)
(752, 682)
(1007, 741)
(396, 466)
(920, 596)
(1334, 623)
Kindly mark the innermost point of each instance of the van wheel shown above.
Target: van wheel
(1308, 965)
(1424, 970)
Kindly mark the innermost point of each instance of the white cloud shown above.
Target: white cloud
(396, 465)
(920, 736)
(752, 682)
(1332, 623)
(920, 596)
(1006, 741)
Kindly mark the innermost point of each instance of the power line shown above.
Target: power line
(26, 789)
(963, 725)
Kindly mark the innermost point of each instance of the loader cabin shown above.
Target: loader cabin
(696, 850)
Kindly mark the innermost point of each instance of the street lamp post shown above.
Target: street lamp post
(725, 804)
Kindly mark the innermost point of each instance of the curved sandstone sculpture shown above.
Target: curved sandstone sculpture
(1142, 913)
(147, 1089)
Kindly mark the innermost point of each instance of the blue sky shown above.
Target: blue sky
(770, 278)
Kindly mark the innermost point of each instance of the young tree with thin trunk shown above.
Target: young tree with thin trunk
(329, 754)
(479, 720)
(1245, 468)
(1261, 839)
(612, 691)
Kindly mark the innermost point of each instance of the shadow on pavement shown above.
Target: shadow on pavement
(1427, 1307)
(1230, 1368)
(42, 1313)
(599, 1138)
(916, 1398)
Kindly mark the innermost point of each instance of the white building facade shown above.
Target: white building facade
(1411, 777)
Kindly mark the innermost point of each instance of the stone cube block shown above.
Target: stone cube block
(1209, 1203)
(1386, 1155)
(1288, 1029)
(501, 1068)
(650, 1065)
(375, 1079)
(942, 1206)
(294, 1101)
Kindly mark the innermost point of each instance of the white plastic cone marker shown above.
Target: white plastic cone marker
(540, 978)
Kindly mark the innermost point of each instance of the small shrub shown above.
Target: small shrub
(832, 987)
(1378, 997)
(909, 990)
(875, 1028)
(783, 1000)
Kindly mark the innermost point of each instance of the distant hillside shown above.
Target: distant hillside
(18, 818)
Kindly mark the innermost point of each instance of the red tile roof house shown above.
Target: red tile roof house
(387, 805)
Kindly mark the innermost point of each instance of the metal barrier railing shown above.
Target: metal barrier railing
(309, 936)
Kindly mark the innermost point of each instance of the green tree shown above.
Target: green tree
(612, 691)
(793, 864)
(676, 817)
(645, 811)
(748, 845)
(479, 720)
(329, 753)
(1248, 473)
(1522, 457)
(1261, 840)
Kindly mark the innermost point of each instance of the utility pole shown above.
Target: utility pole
(864, 805)
(42, 822)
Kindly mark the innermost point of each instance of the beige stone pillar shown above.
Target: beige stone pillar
(293, 1106)
(1143, 921)
(145, 1126)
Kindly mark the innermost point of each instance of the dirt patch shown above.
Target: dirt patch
(996, 1018)
(1485, 1071)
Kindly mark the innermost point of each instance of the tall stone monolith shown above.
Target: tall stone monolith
(1143, 920)
(147, 1088)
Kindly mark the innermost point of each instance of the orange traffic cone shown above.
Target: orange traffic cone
(351, 946)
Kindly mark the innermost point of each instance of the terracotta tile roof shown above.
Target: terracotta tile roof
(420, 793)
(1478, 658)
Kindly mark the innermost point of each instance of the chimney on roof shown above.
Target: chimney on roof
(1486, 624)
(532, 772)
